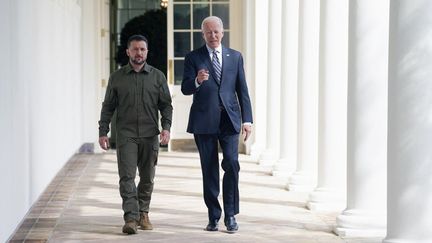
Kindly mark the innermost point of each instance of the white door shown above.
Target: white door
(184, 35)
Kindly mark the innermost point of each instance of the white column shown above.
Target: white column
(304, 179)
(288, 129)
(410, 123)
(259, 71)
(367, 120)
(330, 194)
(248, 31)
(271, 152)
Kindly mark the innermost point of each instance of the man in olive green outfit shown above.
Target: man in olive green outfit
(138, 92)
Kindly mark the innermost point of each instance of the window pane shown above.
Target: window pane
(198, 40)
(145, 4)
(122, 4)
(200, 11)
(222, 11)
(134, 13)
(122, 19)
(181, 16)
(181, 44)
(225, 39)
(178, 71)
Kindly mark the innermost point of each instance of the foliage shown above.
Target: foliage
(152, 25)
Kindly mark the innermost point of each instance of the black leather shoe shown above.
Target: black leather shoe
(231, 224)
(212, 225)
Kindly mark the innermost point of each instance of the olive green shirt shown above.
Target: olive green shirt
(137, 96)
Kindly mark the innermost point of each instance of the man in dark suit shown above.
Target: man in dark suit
(221, 108)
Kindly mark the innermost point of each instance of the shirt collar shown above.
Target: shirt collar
(217, 49)
(129, 68)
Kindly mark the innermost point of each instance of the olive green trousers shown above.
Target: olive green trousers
(133, 153)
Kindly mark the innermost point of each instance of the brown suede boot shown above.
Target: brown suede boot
(130, 227)
(145, 222)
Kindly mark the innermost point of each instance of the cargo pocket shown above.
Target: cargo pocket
(155, 151)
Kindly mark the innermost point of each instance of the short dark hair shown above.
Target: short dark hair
(137, 38)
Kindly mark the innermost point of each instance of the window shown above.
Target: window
(188, 16)
(121, 12)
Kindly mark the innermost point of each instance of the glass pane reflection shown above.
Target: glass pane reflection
(198, 40)
(200, 11)
(122, 4)
(122, 19)
(182, 43)
(181, 16)
(145, 4)
(178, 71)
(225, 39)
(222, 11)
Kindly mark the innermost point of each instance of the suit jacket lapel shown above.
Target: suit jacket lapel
(226, 61)
(205, 56)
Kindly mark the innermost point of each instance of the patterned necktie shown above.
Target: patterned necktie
(216, 66)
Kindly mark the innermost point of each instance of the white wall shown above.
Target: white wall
(14, 125)
(40, 97)
(95, 65)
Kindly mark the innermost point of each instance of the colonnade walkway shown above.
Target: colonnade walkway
(82, 204)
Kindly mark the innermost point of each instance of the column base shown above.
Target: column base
(326, 200)
(393, 240)
(256, 150)
(361, 223)
(268, 157)
(301, 181)
(283, 168)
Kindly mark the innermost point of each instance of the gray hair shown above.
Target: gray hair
(211, 19)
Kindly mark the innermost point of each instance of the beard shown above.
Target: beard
(137, 61)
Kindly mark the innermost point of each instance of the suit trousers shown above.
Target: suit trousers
(207, 145)
(133, 153)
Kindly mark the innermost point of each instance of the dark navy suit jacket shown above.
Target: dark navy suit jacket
(231, 92)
